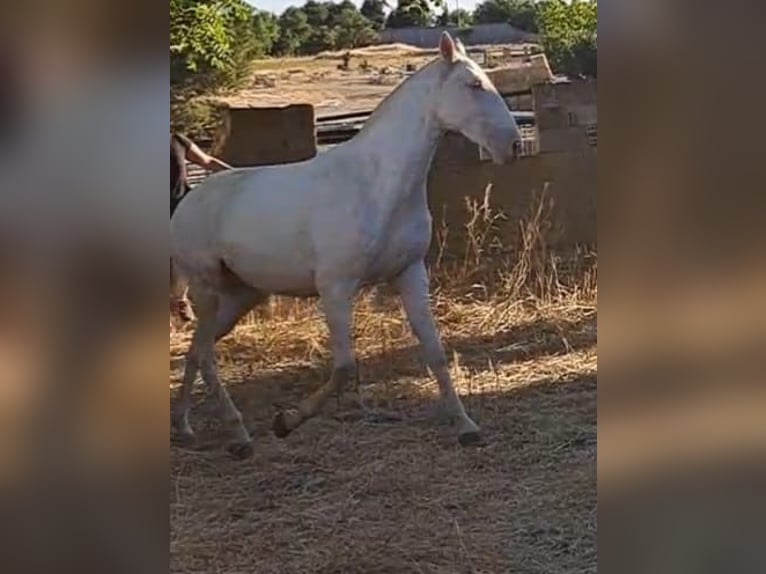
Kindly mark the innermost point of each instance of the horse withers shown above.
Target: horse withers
(354, 216)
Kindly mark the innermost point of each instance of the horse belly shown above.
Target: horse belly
(264, 241)
(271, 270)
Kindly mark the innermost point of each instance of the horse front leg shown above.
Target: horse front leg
(336, 301)
(413, 291)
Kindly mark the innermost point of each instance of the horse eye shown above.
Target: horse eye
(477, 85)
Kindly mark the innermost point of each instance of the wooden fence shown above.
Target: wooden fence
(338, 128)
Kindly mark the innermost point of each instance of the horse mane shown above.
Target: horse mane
(386, 103)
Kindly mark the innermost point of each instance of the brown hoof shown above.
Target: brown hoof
(240, 450)
(281, 430)
(471, 439)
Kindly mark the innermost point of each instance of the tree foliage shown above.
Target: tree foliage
(413, 13)
(212, 42)
(458, 17)
(294, 31)
(319, 26)
(212, 46)
(519, 13)
(568, 33)
(375, 12)
(354, 30)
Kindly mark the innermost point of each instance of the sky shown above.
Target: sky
(278, 6)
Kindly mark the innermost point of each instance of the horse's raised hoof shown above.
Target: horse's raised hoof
(471, 439)
(280, 427)
(240, 450)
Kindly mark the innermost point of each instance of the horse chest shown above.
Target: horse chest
(404, 241)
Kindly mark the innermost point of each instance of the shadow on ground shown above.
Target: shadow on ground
(255, 388)
(346, 495)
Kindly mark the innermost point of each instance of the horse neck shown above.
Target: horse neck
(402, 134)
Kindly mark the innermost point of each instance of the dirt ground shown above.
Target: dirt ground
(373, 72)
(318, 81)
(348, 493)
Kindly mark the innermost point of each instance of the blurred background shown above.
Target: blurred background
(84, 111)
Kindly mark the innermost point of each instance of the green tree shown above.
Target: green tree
(413, 13)
(319, 26)
(317, 13)
(252, 38)
(320, 38)
(518, 13)
(568, 33)
(266, 30)
(336, 11)
(375, 12)
(294, 31)
(212, 47)
(458, 17)
(209, 38)
(354, 30)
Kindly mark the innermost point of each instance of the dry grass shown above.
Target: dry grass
(352, 495)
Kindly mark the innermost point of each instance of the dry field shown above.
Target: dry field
(317, 80)
(388, 490)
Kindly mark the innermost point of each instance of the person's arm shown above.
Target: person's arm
(195, 155)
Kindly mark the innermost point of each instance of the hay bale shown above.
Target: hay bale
(267, 135)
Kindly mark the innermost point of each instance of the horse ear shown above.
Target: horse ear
(447, 47)
(460, 47)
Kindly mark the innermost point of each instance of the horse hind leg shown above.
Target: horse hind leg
(236, 299)
(217, 313)
(181, 429)
(179, 308)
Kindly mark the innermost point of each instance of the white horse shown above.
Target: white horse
(354, 216)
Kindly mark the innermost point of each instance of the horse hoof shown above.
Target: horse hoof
(183, 439)
(281, 430)
(471, 439)
(240, 450)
